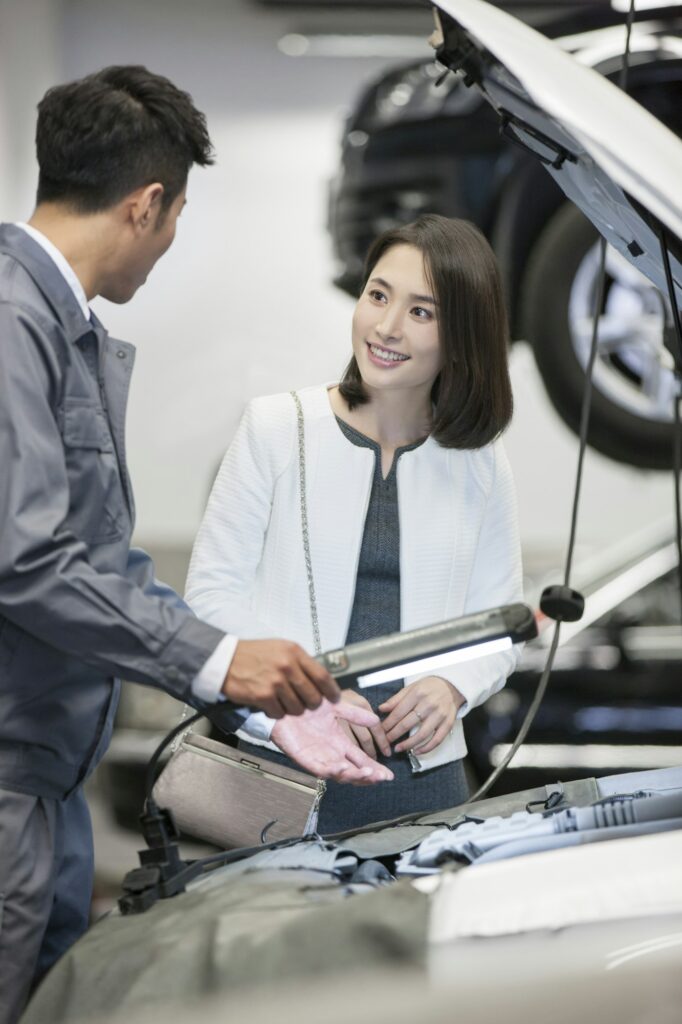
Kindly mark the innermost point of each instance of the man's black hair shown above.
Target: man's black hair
(106, 135)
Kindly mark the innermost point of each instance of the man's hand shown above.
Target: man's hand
(277, 677)
(368, 738)
(429, 705)
(319, 744)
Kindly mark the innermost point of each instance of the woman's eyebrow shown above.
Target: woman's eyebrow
(380, 280)
(413, 297)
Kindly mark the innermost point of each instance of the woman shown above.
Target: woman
(410, 503)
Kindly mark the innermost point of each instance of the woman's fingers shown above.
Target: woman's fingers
(426, 729)
(389, 704)
(356, 715)
(381, 740)
(435, 741)
(358, 758)
(364, 739)
(412, 720)
(409, 698)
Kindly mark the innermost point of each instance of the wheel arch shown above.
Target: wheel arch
(527, 200)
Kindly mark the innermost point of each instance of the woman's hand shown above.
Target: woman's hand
(431, 704)
(320, 746)
(367, 739)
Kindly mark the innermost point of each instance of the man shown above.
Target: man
(78, 607)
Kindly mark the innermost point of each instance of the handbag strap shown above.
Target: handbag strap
(306, 550)
(304, 523)
(179, 737)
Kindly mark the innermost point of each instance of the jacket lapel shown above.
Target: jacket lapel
(339, 477)
(432, 487)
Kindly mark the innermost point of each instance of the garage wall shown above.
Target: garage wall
(242, 305)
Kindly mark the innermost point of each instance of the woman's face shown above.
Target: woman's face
(395, 325)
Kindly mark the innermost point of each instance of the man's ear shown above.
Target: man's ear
(144, 206)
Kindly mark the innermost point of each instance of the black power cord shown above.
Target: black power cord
(163, 872)
(677, 468)
(677, 356)
(150, 774)
(561, 603)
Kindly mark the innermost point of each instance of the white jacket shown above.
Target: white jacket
(459, 543)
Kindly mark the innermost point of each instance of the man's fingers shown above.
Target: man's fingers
(308, 694)
(378, 772)
(355, 715)
(273, 708)
(320, 678)
(263, 671)
(290, 700)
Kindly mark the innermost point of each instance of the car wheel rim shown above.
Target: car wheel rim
(633, 369)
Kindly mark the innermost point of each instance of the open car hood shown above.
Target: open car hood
(613, 159)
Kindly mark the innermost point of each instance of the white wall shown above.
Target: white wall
(30, 62)
(242, 305)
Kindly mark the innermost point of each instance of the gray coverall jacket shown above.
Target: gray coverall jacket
(78, 607)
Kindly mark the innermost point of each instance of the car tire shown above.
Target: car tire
(548, 285)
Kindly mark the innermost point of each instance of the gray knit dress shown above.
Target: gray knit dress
(375, 612)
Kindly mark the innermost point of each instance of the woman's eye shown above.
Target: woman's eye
(422, 314)
(375, 294)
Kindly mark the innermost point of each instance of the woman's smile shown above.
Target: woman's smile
(385, 357)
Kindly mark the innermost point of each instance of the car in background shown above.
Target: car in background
(419, 141)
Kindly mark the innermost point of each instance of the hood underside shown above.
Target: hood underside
(613, 159)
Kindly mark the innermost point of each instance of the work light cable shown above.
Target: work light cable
(541, 688)
(677, 443)
(677, 468)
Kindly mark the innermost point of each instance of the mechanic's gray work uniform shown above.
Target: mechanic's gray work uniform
(78, 608)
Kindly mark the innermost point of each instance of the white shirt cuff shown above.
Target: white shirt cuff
(259, 726)
(208, 682)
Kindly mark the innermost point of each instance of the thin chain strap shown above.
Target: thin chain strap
(181, 735)
(304, 524)
(306, 550)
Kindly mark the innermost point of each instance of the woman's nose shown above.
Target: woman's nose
(390, 325)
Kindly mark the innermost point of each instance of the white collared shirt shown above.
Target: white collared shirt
(62, 264)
